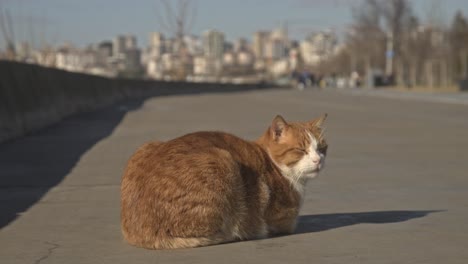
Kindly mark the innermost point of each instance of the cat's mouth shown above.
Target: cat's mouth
(313, 171)
(317, 169)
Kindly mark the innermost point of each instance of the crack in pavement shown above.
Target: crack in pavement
(49, 252)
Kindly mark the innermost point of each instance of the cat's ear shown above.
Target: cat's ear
(278, 127)
(318, 122)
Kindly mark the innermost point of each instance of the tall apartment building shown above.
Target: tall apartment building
(125, 53)
(104, 52)
(213, 44)
(156, 44)
(130, 42)
(260, 40)
(275, 49)
(271, 45)
(118, 46)
(121, 44)
(193, 44)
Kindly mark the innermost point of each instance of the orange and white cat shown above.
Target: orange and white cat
(208, 188)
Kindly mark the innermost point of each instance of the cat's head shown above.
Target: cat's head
(298, 149)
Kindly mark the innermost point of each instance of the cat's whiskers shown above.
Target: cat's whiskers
(295, 180)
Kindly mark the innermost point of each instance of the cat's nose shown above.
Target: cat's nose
(316, 160)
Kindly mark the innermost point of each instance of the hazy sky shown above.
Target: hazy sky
(88, 21)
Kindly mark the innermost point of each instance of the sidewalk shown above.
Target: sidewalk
(393, 191)
(460, 98)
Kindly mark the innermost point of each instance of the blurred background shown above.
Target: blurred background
(409, 44)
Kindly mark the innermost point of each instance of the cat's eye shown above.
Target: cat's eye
(301, 150)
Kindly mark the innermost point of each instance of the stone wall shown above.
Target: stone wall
(33, 97)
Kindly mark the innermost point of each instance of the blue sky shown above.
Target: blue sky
(88, 21)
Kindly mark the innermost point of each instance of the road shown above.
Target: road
(394, 189)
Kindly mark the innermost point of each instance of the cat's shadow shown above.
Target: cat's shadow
(323, 222)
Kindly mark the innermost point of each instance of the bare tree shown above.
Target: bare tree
(459, 44)
(420, 53)
(378, 29)
(435, 14)
(398, 17)
(366, 39)
(6, 25)
(176, 19)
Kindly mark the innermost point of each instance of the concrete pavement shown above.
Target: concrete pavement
(394, 190)
(460, 98)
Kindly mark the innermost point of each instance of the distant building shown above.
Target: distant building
(154, 68)
(132, 59)
(118, 46)
(294, 59)
(105, 48)
(260, 40)
(279, 34)
(201, 65)
(169, 62)
(318, 47)
(245, 58)
(275, 49)
(126, 57)
(169, 46)
(229, 59)
(156, 44)
(241, 45)
(193, 45)
(280, 67)
(309, 53)
(45, 57)
(72, 59)
(130, 42)
(104, 52)
(213, 44)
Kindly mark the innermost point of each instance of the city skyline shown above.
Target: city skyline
(58, 22)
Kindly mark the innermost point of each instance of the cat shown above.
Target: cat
(208, 188)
